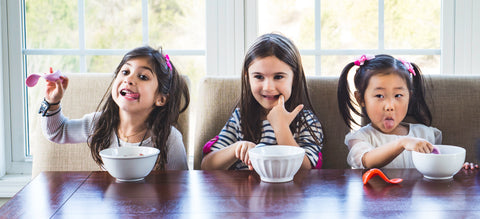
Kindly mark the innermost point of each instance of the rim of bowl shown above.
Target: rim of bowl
(298, 151)
(155, 152)
(463, 150)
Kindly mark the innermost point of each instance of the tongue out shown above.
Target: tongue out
(132, 95)
(388, 123)
(129, 94)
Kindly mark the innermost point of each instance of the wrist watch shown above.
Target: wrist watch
(45, 106)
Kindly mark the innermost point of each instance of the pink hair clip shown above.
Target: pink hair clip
(408, 66)
(168, 61)
(362, 59)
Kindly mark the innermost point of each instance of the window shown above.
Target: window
(329, 34)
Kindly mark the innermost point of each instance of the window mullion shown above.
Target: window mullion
(145, 22)
(318, 37)
(381, 25)
(81, 35)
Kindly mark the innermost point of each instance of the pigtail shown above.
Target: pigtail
(345, 102)
(418, 107)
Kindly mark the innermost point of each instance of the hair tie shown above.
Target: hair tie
(362, 59)
(168, 61)
(408, 66)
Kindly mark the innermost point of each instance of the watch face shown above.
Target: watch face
(43, 108)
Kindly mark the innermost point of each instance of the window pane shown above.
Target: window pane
(51, 24)
(103, 64)
(192, 66)
(428, 64)
(347, 24)
(293, 18)
(408, 27)
(42, 63)
(333, 65)
(308, 65)
(177, 24)
(113, 24)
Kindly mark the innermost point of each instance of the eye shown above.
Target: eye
(143, 77)
(379, 96)
(398, 95)
(259, 77)
(278, 77)
(124, 72)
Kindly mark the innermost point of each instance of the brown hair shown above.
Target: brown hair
(160, 120)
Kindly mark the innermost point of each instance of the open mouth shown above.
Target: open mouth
(271, 97)
(129, 94)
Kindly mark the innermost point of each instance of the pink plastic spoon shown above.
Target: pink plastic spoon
(32, 80)
(435, 150)
(374, 172)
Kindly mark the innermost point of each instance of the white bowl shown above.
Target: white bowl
(276, 163)
(440, 166)
(129, 163)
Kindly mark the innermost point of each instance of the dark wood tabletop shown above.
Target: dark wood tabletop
(241, 194)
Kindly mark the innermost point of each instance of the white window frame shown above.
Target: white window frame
(231, 26)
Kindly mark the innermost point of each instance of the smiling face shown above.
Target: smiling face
(386, 101)
(135, 87)
(269, 78)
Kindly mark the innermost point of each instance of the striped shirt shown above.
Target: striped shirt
(232, 133)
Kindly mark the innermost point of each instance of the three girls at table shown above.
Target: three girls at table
(143, 103)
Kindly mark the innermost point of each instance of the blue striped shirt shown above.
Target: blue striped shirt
(232, 132)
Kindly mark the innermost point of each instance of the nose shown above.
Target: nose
(268, 84)
(129, 79)
(389, 105)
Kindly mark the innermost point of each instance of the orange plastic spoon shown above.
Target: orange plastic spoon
(373, 172)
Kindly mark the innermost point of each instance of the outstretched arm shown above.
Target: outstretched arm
(384, 154)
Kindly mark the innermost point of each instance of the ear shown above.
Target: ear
(359, 99)
(161, 100)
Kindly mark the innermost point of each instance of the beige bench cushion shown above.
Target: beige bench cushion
(82, 96)
(456, 110)
(217, 98)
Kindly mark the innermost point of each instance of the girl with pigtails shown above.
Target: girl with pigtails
(387, 90)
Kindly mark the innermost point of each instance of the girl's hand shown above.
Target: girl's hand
(241, 152)
(54, 90)
(279, 116)
(417, 144)
(470, 166)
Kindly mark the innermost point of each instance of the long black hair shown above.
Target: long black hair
(382, 64)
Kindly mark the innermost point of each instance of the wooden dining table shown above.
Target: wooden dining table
(326, 193)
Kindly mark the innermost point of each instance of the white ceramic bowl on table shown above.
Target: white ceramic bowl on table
(129, 163)
(440, 166)
(276, 163)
